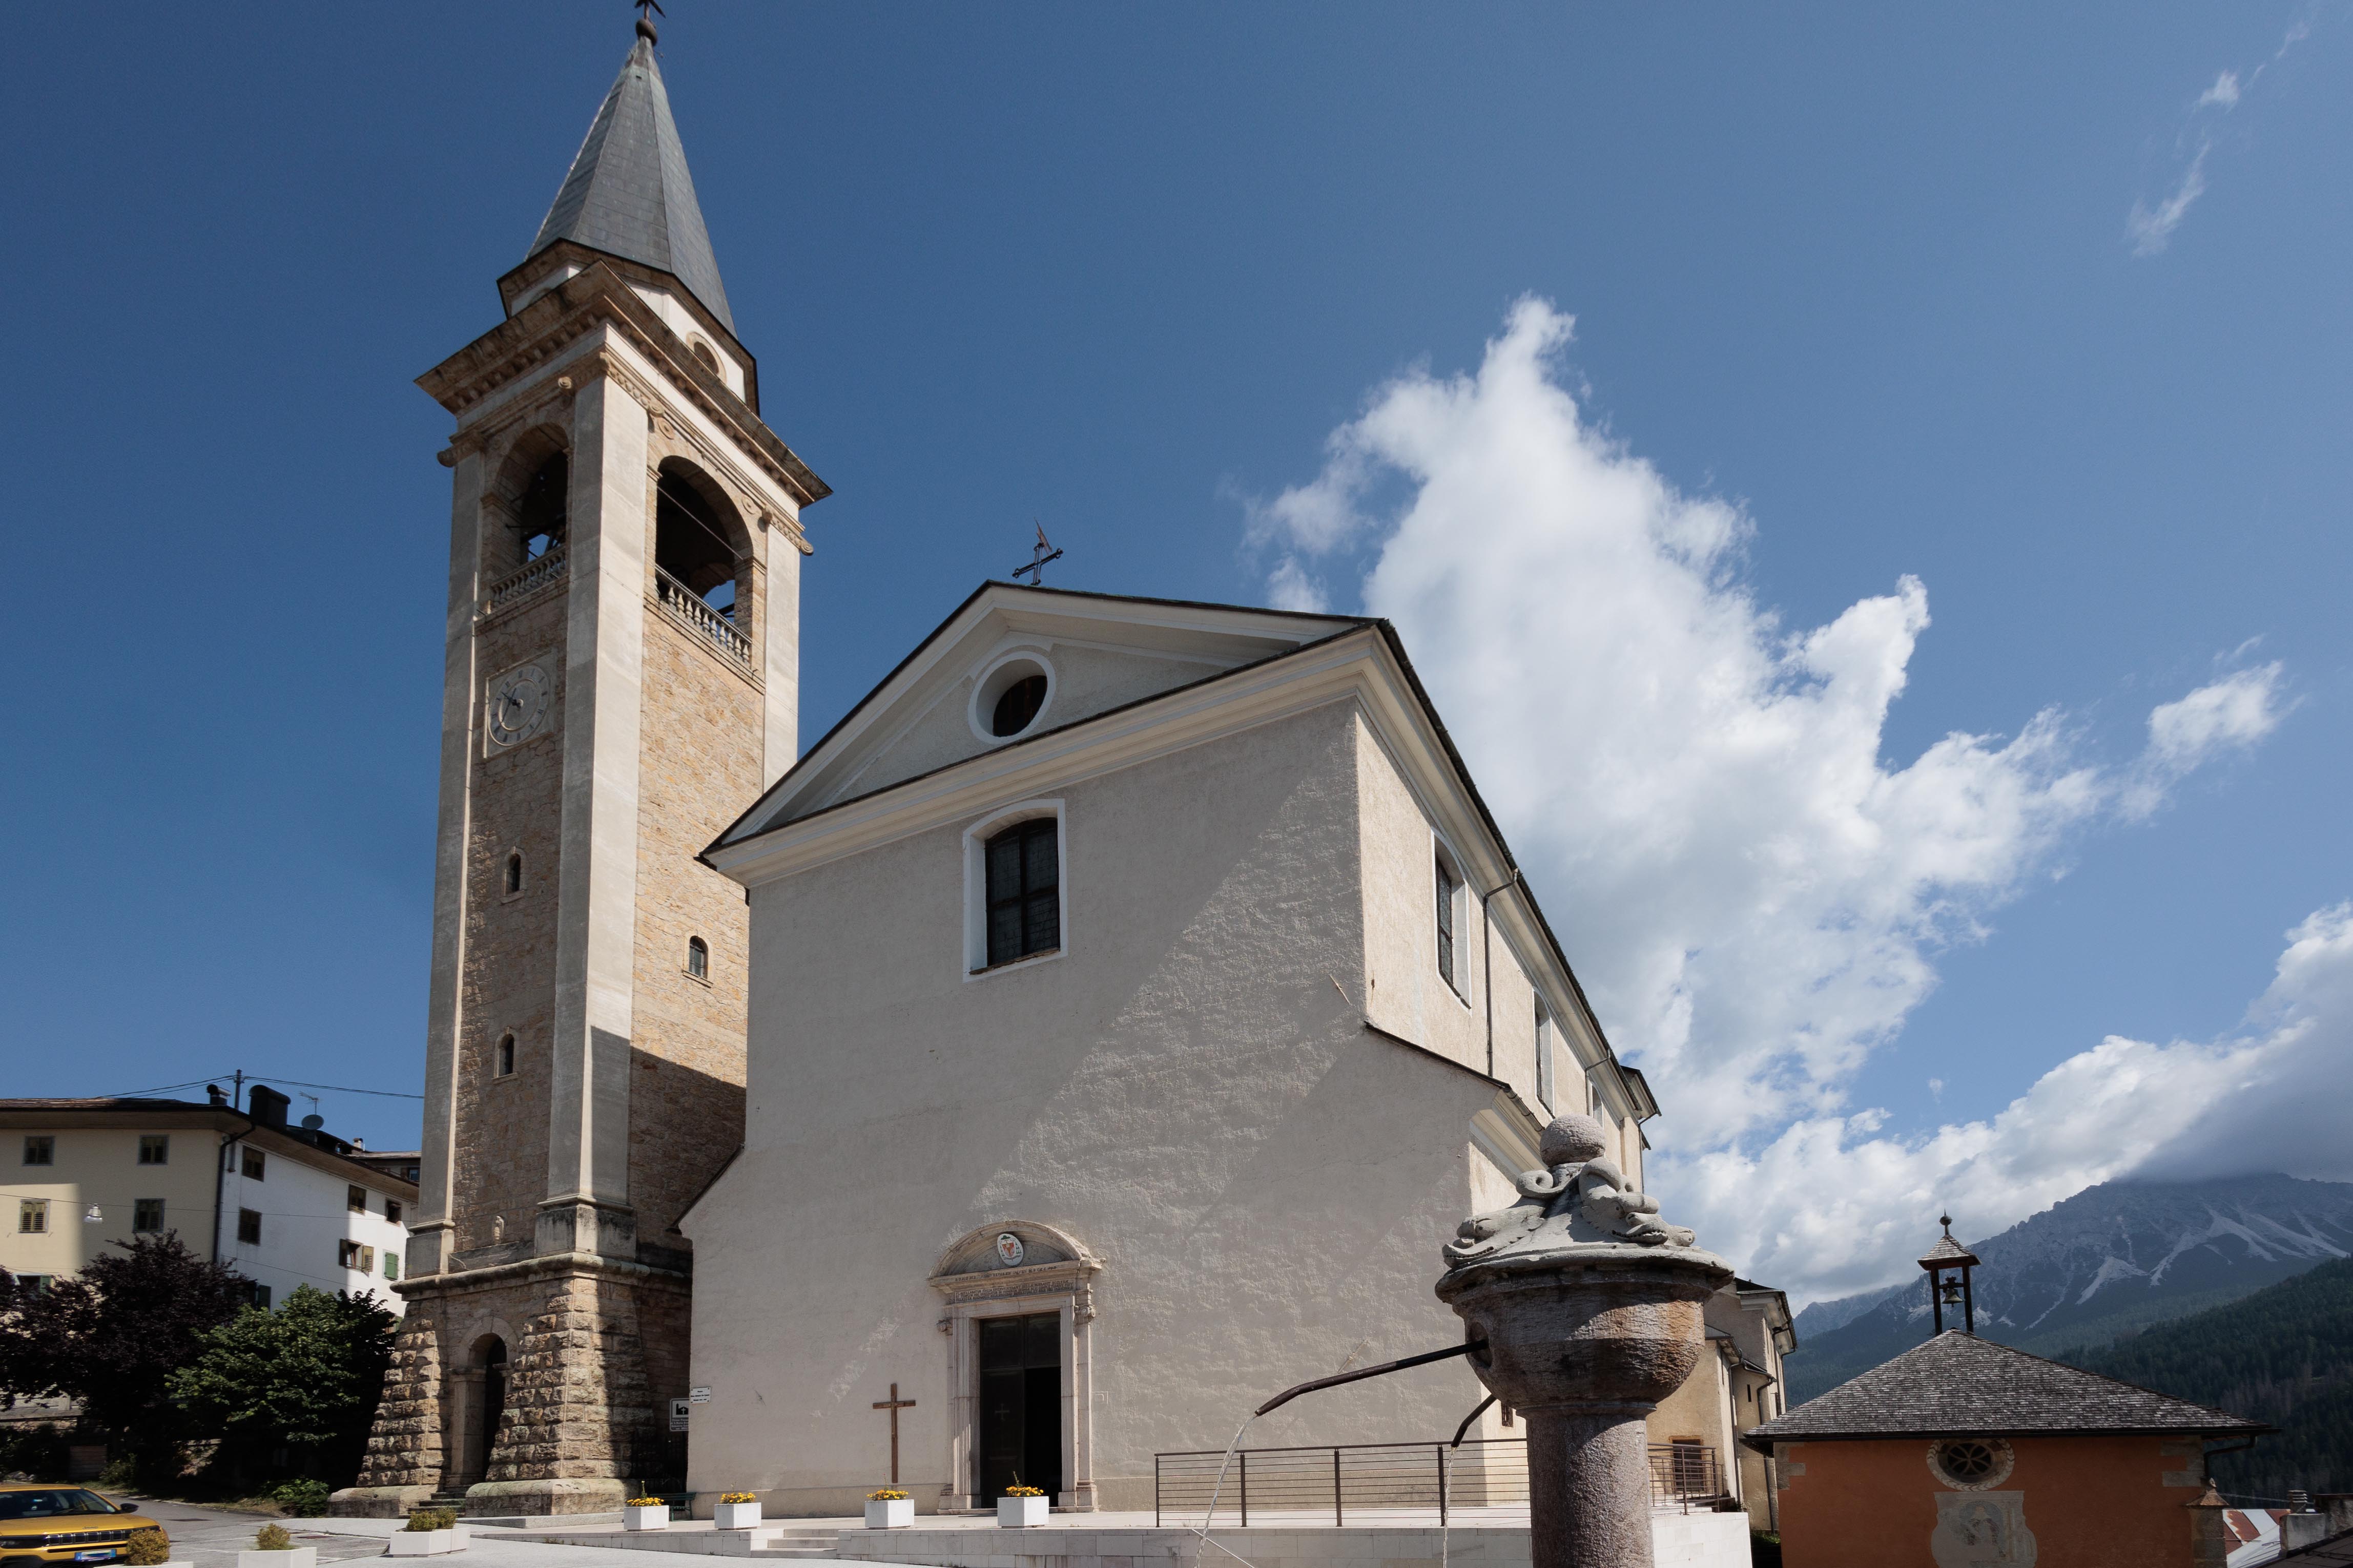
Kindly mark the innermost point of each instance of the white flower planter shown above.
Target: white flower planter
(426, 1542)
(1020, 1512)
(654, 1518)
(736, 1516)
(292, 1557)
(887, 1514)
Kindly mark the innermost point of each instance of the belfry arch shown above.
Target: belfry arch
(529, 500)
(700, 539)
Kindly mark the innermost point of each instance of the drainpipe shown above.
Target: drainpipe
(1487, 962)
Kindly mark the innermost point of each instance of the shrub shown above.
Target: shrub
(272, 1538)
(118, 1475)
(430, 1518)
(302, 1498)
(146, 1547)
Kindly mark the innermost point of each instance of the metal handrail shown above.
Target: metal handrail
(1483, 1480)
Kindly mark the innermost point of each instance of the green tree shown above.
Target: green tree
(305, 1378)
(112, 1336)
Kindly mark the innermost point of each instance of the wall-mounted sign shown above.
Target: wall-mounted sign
(701, 1395)
(678, 1414)
(1009, 1250)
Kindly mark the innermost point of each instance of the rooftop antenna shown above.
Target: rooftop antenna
(646, 11)
(1039, 553)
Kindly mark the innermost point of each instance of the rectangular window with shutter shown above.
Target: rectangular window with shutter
(33, 1217)
(147, 1216)
(155, 1148)
(249, 1226)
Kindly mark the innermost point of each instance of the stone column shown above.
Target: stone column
(1586, 1314)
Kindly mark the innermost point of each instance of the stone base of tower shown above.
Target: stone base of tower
(530, 1387)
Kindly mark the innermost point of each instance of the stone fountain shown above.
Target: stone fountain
(1584, 1312)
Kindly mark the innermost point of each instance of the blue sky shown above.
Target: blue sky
(1867, 278)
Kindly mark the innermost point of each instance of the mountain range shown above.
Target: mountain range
(2110, 1261)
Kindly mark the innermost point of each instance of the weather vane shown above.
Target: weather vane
(646, 11)
(1039, 553)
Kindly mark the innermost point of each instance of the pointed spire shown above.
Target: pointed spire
(629, 193)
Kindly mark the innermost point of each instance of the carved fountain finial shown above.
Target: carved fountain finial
(1579, 1198)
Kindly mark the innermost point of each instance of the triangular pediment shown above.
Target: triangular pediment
(1094, 653)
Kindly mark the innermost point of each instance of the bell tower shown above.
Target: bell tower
(621, 679)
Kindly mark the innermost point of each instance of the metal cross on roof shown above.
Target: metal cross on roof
(1042, 553)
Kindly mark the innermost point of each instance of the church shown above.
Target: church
(1099, 1030)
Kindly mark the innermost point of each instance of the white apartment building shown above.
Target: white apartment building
(284, 1205)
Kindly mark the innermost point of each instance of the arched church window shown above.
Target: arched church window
(540, 510)
(506, 1055)
(1019, 706)
(698, 958)
(514, 872)
(1025, 890)
(691, 544)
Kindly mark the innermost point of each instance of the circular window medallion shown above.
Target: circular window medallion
(1970, 1464)
(1010, 697)
(1009, 1250)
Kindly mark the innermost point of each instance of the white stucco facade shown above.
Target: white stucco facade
(88, 1174)
(1226, 1121)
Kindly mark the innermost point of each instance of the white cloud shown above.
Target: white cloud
(1838, 1201)
(2151, 228)
(1754, 896)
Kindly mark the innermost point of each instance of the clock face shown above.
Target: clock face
(518, 707)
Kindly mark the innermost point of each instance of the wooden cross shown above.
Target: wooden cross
(895, 1405)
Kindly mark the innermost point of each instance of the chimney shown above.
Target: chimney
(267, 1106)
(215, 1095)
(2301, 1524)
(2338, 1507)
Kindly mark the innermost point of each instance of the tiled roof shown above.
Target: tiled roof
(629, 193)
(1959, 1386)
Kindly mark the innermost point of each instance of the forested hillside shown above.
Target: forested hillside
(2283, 1354)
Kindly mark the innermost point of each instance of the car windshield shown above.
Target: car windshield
(49, 1502)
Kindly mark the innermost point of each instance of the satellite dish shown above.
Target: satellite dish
(313, 1121)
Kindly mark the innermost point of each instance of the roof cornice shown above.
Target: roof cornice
(544, 330)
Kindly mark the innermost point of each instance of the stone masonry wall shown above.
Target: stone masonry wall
(508, 969)
(576, 1402)
(405, 1450)
(699, 767)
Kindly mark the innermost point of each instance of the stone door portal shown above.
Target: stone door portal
(1020, 1405)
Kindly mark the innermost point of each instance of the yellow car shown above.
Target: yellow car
(44, 1523)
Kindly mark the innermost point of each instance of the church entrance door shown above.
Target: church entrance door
(1020, 1405)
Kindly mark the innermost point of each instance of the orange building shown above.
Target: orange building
(1967, 1453)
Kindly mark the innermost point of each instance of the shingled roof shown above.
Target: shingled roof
(1958, 1385)
(629, 193)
